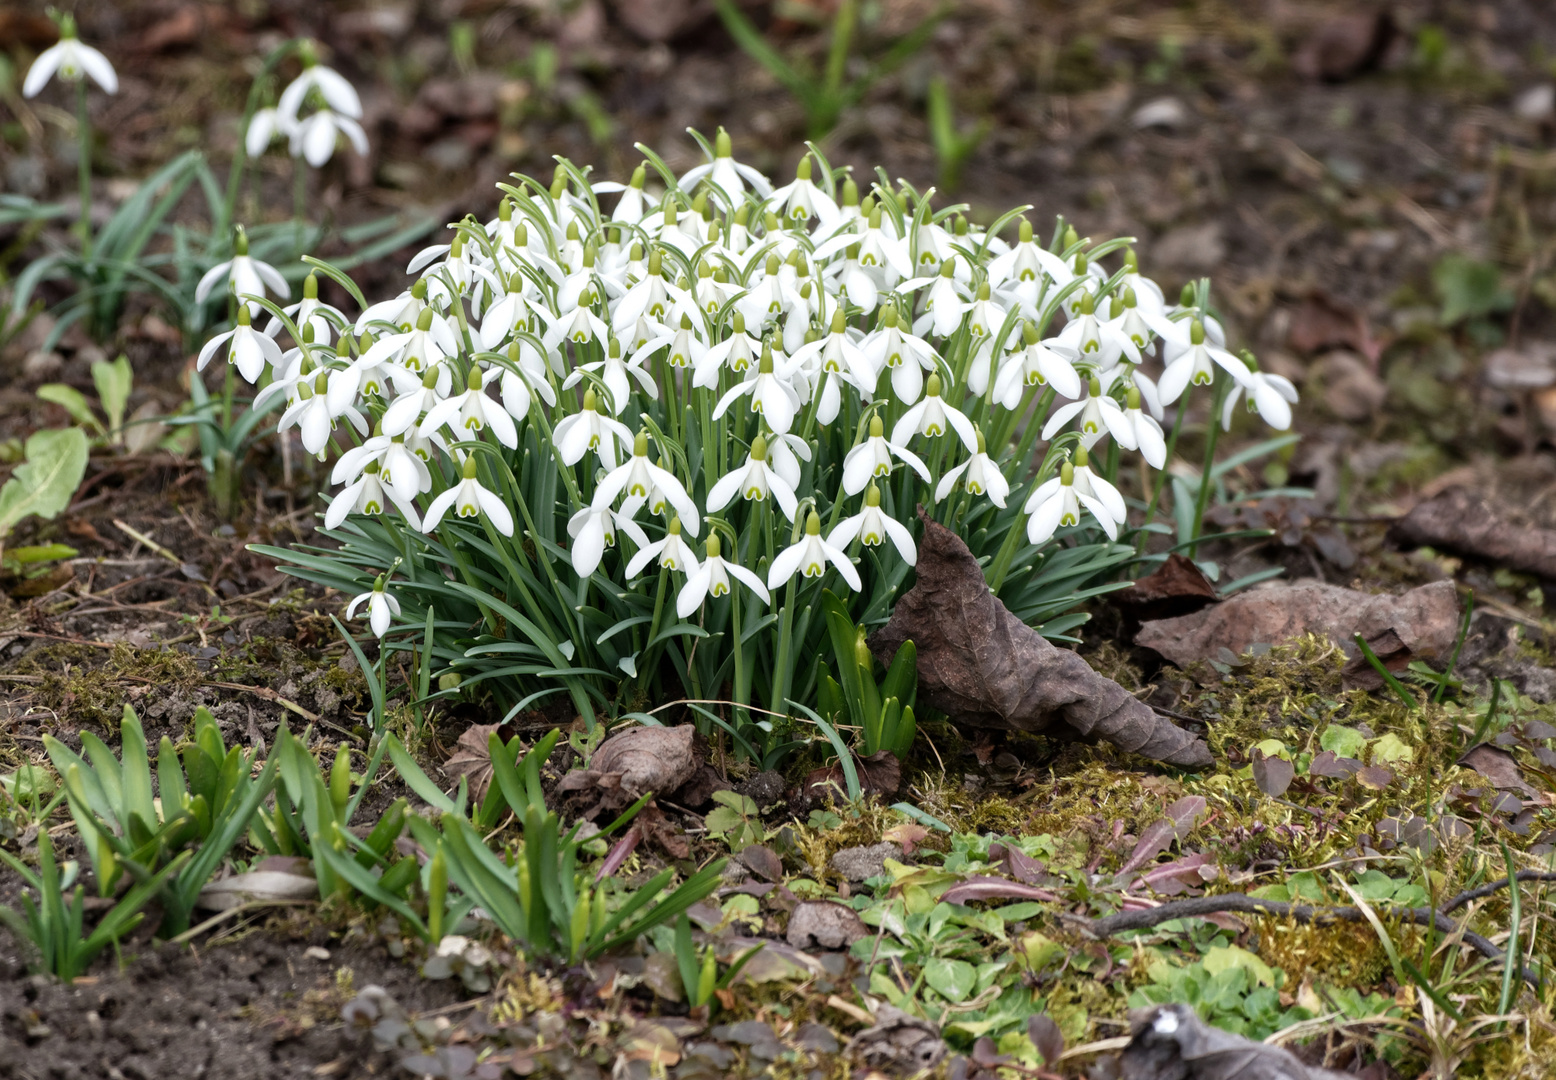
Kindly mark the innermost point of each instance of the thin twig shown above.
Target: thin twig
(1486, 890)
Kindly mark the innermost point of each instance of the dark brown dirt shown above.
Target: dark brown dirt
(249, 1009)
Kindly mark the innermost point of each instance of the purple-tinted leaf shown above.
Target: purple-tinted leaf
(618, 853)
(1328, 763)
(1154, 839)
(1273, 775)
(1018, 864)
(1375, 777)
(993, 888)
(1185, 814)
(1046, 1036)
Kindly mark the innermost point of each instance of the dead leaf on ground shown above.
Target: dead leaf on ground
(473, 759)
(898, 1044)
(762, 861)
(1345, 46)
(824, 924)
(1375, 777)
(654, 20)
(1172, 1041)
(1498, 766)
(1180, 819)
(1272, 775)
(1391, 651)
(879, 774)
(1325, 322)
(984, 667)
(632, 763)
(1463, 523)
(1426, 619)
(907, 836)
(1177, 587)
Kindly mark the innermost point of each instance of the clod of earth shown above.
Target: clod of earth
(632, 763)
(985, 668)
(1172, 1041)
(861, 863)
(898, 1043)
(1426, 620)
(823, 924)
(1461, 522)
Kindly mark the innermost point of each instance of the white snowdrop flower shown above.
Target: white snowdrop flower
(1034, 363)
(1094, 341)
(633, 205)
(311, 312)
(653, 296)
(1195, 365)
(800, 199)
(873, 526)
(311, 415)
(1089, 485)
(426, 345)
(985, 315)
(72, 61)
(1026, 264)
(1271, 396)
(907, 357)
(736, 353)
(785, 451)
(725, 174)
(712, 578)
(401, 313)
(506, 315)
(263, 127)
(754, 481)
(770, 294)
(400, 470)
(336, 93)
(368, 495)
(526, 377)
(1146, 432)
(613, 372)
(943, 303)
(588, 429)
(1147, 293)
(809, 557)
(873, 458)
(1057, 503)
(1126, 317)
(249, 350)
(983, 477)
(593, 529)
(381, 608)
(932, 248)
(1098, 413)
(770, 393)
(472, 412)
(580, 327)
(245, 276)
(684, 347)
(671, 553)
(836, 351)
(640, 479)
(469, 499)
(313, 139)
(932, 418)
(405, 412)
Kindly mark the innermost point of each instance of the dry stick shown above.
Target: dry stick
(1109, 925)
(1486, 890)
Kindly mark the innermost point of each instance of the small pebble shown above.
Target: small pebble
(314, 952)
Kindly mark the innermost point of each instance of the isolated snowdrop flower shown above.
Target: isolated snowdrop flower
(264, 126)
(671, 553)
(1271, 396)
(613, 372)
(526, 377)
(593, 529)
(754, 481)
(633, 204)
(983, 477)
(736, 353)
(245, 276)
(422, 347)
(1094, 341)
(1026, 263)
(381, 607)
(71, 60)
(1089, 485)
(809, 557)
(640, 479)
(471, 412)
(336, 93)
(310, 412)
(1098, 413)
(872, 459)
(712, 579)
(313, 139)
(932, 418)
(943, 304)
(249, 352)
(873, 526)
(469, 499)
(770, 392)
(310, 311)
(1194, 365)
(1145, 434)
(725, 174)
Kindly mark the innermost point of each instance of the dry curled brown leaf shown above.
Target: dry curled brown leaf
(824, 924)
(633, 763)
(1426, 619)
(473, 759)
(985, 668)
(1460, 521)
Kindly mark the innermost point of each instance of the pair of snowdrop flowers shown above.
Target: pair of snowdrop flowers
(337, 111)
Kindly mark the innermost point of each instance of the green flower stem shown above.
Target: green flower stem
(742, 689)
(1163, 478)
(653, 628)
(84, 169)
(1206, 481)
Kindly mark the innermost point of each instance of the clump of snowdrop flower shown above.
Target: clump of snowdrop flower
(635, 428)
(71, 61)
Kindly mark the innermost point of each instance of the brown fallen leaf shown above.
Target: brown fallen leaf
(473, 759)
(899, 1044)
(879, 774)
(1272, 775)
(1375, 777)
(1345, 46)
(1425, 618)
(630, 764)
(653, 20)
(986, 668)
(1498, 766)
(1324, 322)
(1180, 819)
(762, 861)
(1460, 521)
(1172, 1041)
(824, 924)
(1391, 651)
(907, 836)
(1177, 587)
(1046, 1036)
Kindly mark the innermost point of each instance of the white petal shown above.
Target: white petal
(209, 279)
(785, 564)
(495, 509)
(43, 69)
(438, 508)
(96, 65)
(902, 538)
